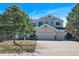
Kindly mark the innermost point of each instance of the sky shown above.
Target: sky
(37, 10)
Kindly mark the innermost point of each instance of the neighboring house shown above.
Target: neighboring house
(49, 27)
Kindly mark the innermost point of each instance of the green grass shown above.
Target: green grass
(10, 47)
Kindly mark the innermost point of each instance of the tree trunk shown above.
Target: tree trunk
(14, 40)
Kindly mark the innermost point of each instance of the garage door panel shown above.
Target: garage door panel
(46, 36)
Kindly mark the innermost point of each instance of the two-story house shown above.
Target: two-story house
(49, 27)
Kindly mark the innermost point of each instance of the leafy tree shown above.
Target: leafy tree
(73, 21)
(14, 21)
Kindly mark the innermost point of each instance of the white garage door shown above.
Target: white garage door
(60, 36)
(45, 35)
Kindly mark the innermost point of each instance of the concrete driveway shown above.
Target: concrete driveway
(57, 48)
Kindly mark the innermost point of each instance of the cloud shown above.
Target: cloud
(60, 12)
(1, 11)
(65, 22)
(38, 14)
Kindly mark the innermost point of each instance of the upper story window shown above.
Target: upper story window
(34, 24)
(40, 23)
(46, 22)
(57, 23)
(51, 22)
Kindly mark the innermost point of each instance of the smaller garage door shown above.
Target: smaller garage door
(60, 36)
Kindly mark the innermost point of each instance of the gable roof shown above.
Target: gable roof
(46, 17)
(51, 27)
(47, 26)
(51, 17)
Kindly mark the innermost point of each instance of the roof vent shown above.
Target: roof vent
(49, 16)
(45, 26)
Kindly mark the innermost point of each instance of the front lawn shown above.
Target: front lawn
(23, 46)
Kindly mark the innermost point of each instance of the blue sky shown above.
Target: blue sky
(37, 10)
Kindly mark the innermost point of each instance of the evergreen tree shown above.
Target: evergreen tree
(14, 21)
(73, 21)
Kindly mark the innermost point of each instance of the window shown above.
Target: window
(51, 22)
(40, 23)
(57, 23)
(34, 24)
(46, 22)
